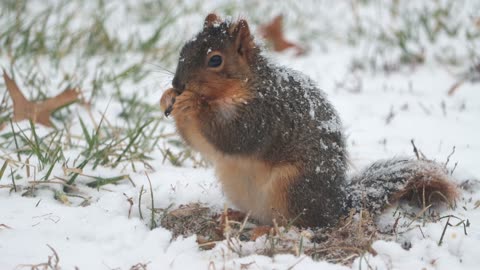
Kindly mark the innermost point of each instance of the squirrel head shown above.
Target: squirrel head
(216, 59)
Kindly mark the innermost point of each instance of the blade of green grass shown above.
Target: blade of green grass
(132, 140)
(101, 181)
(2, 170)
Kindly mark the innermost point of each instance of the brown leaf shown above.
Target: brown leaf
(37, 112)
(273, 32)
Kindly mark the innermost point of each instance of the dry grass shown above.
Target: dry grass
(352, 237)
(52, 262)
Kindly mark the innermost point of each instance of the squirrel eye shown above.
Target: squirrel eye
(215, 61)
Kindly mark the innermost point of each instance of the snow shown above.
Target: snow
(103, 236)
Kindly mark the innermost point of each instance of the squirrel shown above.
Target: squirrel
(276, 143)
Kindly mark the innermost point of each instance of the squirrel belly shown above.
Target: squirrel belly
(275, 141)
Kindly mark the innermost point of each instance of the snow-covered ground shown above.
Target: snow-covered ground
(381, 112)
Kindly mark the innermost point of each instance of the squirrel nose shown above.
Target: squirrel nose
(177, 85)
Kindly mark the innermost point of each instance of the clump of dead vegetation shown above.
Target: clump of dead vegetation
(190, 219)
(52, 263)
(237, 232)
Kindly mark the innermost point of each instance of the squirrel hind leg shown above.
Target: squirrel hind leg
(429, 184)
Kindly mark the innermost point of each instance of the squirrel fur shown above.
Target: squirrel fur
(275, 141)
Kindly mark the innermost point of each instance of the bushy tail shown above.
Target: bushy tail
(387, 181)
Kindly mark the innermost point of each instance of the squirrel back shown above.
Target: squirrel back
(276, 142)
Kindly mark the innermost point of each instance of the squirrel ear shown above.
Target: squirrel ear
(243, 38)
(210, 20)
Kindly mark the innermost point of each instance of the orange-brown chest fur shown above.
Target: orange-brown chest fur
(250, 183)
(211, 98)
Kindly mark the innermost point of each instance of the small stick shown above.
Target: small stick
(13, 180)
(131, 181)
(444, 230)
(419, 214)
(130, 201)
(152, 219)
(454, 87)
(395, 224)
(421, 231)
(449, 156)
(244, 222)
(55, 254)
(5, 226)
(424, 203)
(415, 150)
(140, 203)
(27, 167)
(297, 262)
(454, 167)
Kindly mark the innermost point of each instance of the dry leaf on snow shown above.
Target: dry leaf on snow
(273, 32)
(37, 112)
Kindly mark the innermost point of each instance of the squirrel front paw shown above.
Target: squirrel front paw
(167, 100)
